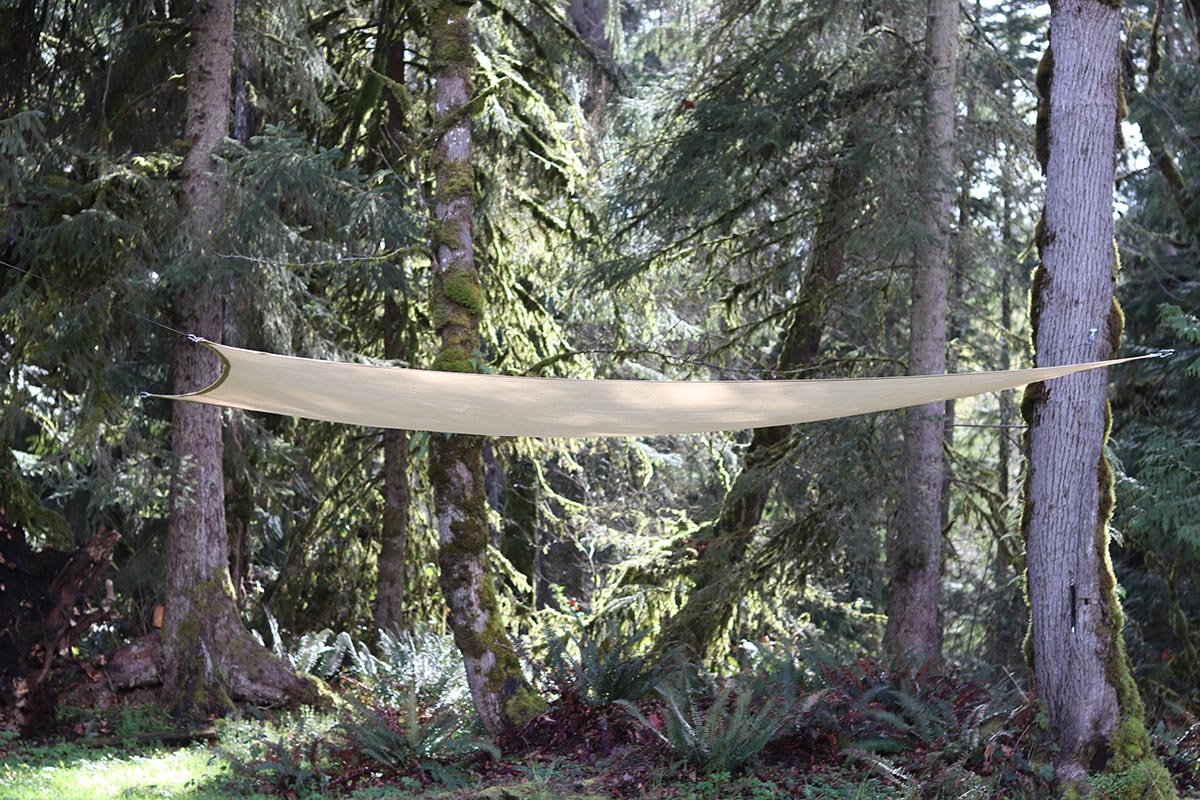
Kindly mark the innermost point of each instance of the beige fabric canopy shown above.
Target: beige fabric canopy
(500, 405)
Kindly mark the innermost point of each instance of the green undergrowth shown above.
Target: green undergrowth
(243, 765)
(621, 724)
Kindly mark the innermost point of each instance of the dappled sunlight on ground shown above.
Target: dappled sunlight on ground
(67, 771)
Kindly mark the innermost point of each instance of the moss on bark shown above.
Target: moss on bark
(453, 359)
(451, 39)
(502, 697)
(462, 287)
(1045, 77)
(1105, 754)
(1131, 770)
(456, 178)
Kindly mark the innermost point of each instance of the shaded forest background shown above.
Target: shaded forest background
(660, 190)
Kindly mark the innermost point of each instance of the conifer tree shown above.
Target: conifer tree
(915, 548)
(1159, 441)
(208, 657)
(1075, 645)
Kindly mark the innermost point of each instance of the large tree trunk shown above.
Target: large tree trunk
(502, 697)
(1079, 662)
(716, 579)
(208, 656)
(915, 547)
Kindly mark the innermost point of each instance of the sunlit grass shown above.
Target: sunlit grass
(71, 773)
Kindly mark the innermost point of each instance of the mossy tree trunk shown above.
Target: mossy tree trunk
(208, 657)
(1081, 671)
(502, 697)
(915, 546)
(716, 580)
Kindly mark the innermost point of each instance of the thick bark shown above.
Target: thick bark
(135, 665)
(43, 609)
(393, 551)
(502, 697)
(1079, 663)
(713, 598)
(208, 657)
(915, 547)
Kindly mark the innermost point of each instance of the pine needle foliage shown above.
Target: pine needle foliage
(737, 150)
(1168, 491)
(1156, 415)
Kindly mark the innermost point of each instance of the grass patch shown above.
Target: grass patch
(67, 770)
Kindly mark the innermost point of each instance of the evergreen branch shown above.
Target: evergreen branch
(389, 257)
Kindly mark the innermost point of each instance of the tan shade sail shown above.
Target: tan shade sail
(501, 405)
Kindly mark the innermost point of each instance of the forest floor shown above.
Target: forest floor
(570, 754)
(75, 770)
(71, 771)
